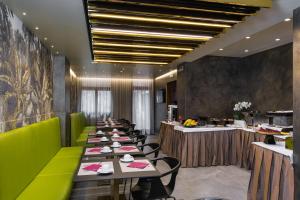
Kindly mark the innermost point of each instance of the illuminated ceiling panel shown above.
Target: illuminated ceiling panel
(156, 32)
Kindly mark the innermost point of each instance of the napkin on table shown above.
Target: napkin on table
(139, 165)
(97, 149)
(124, 148)
(92, 167)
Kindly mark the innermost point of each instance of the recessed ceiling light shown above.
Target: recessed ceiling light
(221, 49)
(246, 50)
(52, 46)
(24, 13)
(247, 37)
(277, 39)
(37, 28)
(287, 19)
(45, 38)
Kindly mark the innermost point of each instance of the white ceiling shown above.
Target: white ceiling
(260, 41)
(63, 23)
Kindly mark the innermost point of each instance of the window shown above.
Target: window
(88, 102)
(104, 102)
(103, 105)
(141, 114)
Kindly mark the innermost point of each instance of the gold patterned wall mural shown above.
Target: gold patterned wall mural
(25, 74)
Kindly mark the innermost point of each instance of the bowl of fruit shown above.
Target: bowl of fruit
(190, 123)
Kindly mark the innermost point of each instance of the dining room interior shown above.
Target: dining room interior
(141, 99)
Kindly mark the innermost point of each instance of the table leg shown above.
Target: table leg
(115, 189)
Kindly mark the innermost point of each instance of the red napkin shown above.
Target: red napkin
(92, 167)
(122, 139)
(97, 149)
(94, 139)
(124, 148)
(139, 165)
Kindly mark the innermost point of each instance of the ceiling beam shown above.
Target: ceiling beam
(255, 3)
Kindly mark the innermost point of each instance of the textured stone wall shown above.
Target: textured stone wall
(25, 74)
(211, 85)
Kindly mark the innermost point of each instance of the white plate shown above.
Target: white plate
(126, 161)
(106, 151)
(110, 171)
(115, 136)
(115, 146)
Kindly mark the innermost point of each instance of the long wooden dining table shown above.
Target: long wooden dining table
(271, 172)
(92, 155)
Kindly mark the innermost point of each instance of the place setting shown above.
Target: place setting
(98, 139)
(96, 168)
(129, 164)
(97, 150)
(121, 139)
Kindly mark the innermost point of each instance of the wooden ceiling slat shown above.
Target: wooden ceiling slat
(145, 41)
(148, 28)
(131, 26)
(167, 11)
(189, 5)
(99, 47)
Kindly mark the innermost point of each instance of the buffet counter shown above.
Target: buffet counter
(272, 175)
(270, 165)
(202, 147)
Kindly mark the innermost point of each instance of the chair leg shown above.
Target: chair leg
(130, 188)
(124, 186)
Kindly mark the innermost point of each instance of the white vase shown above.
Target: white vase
(241, 123)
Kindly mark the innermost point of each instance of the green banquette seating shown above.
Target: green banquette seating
(79, 129)
(34, 165)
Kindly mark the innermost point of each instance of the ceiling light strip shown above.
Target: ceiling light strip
(151, 34)
(96, 10)
(130, 62)
(137, 53)
(166, 74)
(141, 46)
(113, 79)
(150, 19)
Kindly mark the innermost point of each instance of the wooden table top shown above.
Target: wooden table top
(118, 174)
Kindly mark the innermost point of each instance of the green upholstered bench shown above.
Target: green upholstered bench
(34, 166)
(79, 129)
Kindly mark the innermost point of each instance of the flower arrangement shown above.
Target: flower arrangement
(239, 108)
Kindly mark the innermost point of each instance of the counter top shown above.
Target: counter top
(179, 127)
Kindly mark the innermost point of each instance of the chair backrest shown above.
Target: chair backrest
(155, 147)
(139, 139)
(174, 165)
(24, 152)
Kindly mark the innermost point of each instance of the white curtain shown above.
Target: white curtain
(96, 99)
(88, 103)
(104, 104)
(141, 105)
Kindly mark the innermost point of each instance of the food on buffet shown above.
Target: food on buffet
(190, 123)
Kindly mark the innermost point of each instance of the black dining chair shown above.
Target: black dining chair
(139, 139)
(155, 147)
(153, 188)
(133, 133)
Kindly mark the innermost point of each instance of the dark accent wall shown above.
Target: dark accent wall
(212, 85)
(296, 101)
(25, 74)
